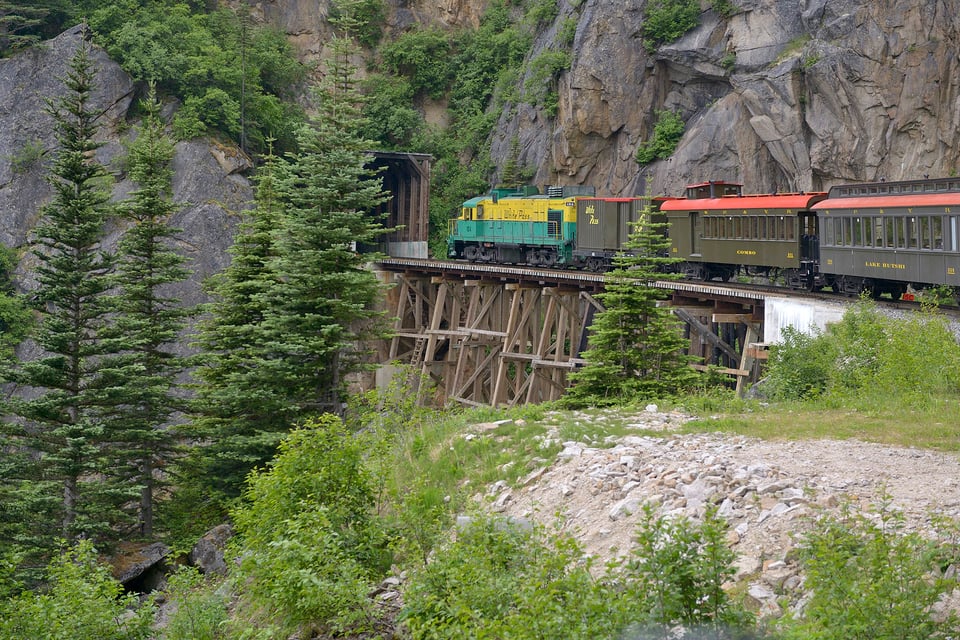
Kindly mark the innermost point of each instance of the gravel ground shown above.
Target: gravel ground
(768, 491)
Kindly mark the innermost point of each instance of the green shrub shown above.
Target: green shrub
(920, 359)
(213, 61)
(307, 541)
(540, 85)
(723, 8)
(869, 579)
(800, 366)
(541, 12)
(678, 570)
(423, 56)
(200, 611)
(729, 61)
(667, 133)
(567, 31)
(27, 157)
(868, 358)
(667, 20)
(390, 118)
(505, 580)
(84, 602)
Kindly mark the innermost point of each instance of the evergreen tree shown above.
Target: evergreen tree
(513, 173)
(292, 311)
(18, 25)
(56, 431)
(15, 318)
(319, 308)
(636, 345)
(138, 389)
(239, 416)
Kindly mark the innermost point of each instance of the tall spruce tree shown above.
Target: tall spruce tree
(238, 414)
(18, 24)
(320, 306)
(139, 380)
(292, 311)
(636, 346)
(55, 425)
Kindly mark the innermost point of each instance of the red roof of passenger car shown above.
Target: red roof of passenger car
(796, 201)
(948, 199)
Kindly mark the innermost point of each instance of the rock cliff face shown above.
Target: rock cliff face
(781, 94)
(209, 183)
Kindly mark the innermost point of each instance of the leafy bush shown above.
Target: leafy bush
(870, 579)
(666, 20)
(667, 133)
(389, 117)
(678, 569)
(214, 60)
(423, 56)
(800, 366)
(919, 359)
(28, 156)
(200, 612)
(723, 8)
(567, 31)
(506, 580)
(541, 12)
(868, 357)
(84, 602)
(503, 579)
(308, 545)
(540, 85)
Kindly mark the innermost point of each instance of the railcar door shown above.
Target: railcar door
(809, 237)
(695, 233)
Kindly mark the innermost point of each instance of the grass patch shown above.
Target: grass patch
(459, 453)
(900, 422)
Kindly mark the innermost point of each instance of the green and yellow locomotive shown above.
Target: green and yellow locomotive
(517, 226)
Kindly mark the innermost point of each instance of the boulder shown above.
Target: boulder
(207, 553)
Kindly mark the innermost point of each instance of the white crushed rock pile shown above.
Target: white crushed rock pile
(766, 490)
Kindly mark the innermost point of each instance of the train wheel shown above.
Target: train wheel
(533, 257)
(549, 257)
(471, 252)
(595, 264)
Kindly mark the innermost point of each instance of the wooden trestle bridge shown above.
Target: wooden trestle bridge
(501, 336)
